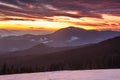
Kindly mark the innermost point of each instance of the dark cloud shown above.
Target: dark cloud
(85, 14)
(18, 19)
(99, 25)
(42, 8)
(90, 24)
(9, 1)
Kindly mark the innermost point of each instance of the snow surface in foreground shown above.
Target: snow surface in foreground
(67, 75)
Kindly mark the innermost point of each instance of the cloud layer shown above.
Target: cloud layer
(30, 10)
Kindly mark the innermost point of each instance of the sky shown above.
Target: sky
(56, 14)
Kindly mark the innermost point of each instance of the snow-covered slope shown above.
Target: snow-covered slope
(67, 75)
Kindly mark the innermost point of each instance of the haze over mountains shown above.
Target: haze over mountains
(66, 37)
(6, 32)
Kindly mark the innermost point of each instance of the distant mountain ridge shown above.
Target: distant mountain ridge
(65, 37)
(4, 33)
(7, 33)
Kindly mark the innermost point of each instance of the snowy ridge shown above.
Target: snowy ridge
(113, 74)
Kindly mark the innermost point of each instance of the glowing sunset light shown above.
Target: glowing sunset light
(40, 14)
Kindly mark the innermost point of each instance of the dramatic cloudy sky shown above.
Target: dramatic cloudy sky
(55, 14)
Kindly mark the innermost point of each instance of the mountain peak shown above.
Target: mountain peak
(73, 28)
(70, 29)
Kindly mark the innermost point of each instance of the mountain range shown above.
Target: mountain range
(7, 32)
(65, 37)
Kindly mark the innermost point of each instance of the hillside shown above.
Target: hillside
(103, 55)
